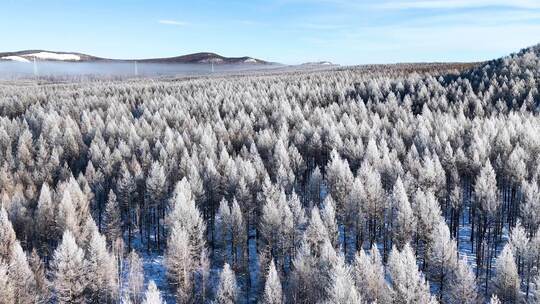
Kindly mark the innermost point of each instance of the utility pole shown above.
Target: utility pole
(35, 68)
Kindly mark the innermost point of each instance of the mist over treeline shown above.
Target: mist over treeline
(16, 70)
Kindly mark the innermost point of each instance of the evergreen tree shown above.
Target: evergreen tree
(407, 282)
(46, 231)
(272, 289)
(369, 277)
(70, 271)
(22, 276)
(7, 290)
(42, 283)
(112, 221)
(180, 264)
(442, 258)
(185, 215)
(102, 271)
(227, 292)
(506, 283)
(328, 216)
(135, 275)
(7, 236)
(152, 295)
(462, 287)
(342, 288)
(404, 222)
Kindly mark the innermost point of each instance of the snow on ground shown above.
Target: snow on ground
(54, 56)
(250, 60)
(154, 269)
(16, 58)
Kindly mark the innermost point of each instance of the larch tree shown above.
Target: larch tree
(180, 264)
(407, 281)
(342, 288)
(462, 287)
(112, 221)
(506, 283)
(22, 276)
(328, 216)
(135, 283)
(46, 231)
(223, 224)
(339, 179)
(42, 282)
(369, 276)
(185, 215)
(7, 290)
(403, 220)
(238, 231)
(227, 291)
(102, 271)
(273, 293)
(7, 235)
(152, 294)
(442, 258)
(69, 271)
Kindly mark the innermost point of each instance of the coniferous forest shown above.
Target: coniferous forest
(400, 184)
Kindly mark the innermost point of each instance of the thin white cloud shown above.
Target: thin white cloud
(453, 4)
(173, 22)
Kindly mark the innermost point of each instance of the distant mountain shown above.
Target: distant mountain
(41, 55)
(206, 58)
(197, 58)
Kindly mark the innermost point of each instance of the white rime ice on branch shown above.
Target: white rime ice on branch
(70, 271)
(152, 295)
(273, 293)
(227, 291)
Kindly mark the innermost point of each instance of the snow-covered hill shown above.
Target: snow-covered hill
(38, 55)
(197, 58)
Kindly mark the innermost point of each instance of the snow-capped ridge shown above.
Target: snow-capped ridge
(54, 56)
(15, 58)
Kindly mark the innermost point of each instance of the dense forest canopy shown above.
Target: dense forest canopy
(380, 184)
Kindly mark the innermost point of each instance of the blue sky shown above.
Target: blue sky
(287, 31)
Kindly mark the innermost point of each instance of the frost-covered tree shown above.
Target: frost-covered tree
(152, 294)
(135, 275)
(185, 215)
(45, 215)
(328, 216)
(227, 291)
(403, 220)
(42, 283)
(408, 283)
(102, 271)
(506, 283)
(7, 236)
(23, 279)
(70, 271)
(369, 277)
(462, 287)
(342, 288)
(238, 230)
(273, 293)
(112, 223)
(180, 264)
(223, 225)
(442, 258)
(7, 290)
(339, 179)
